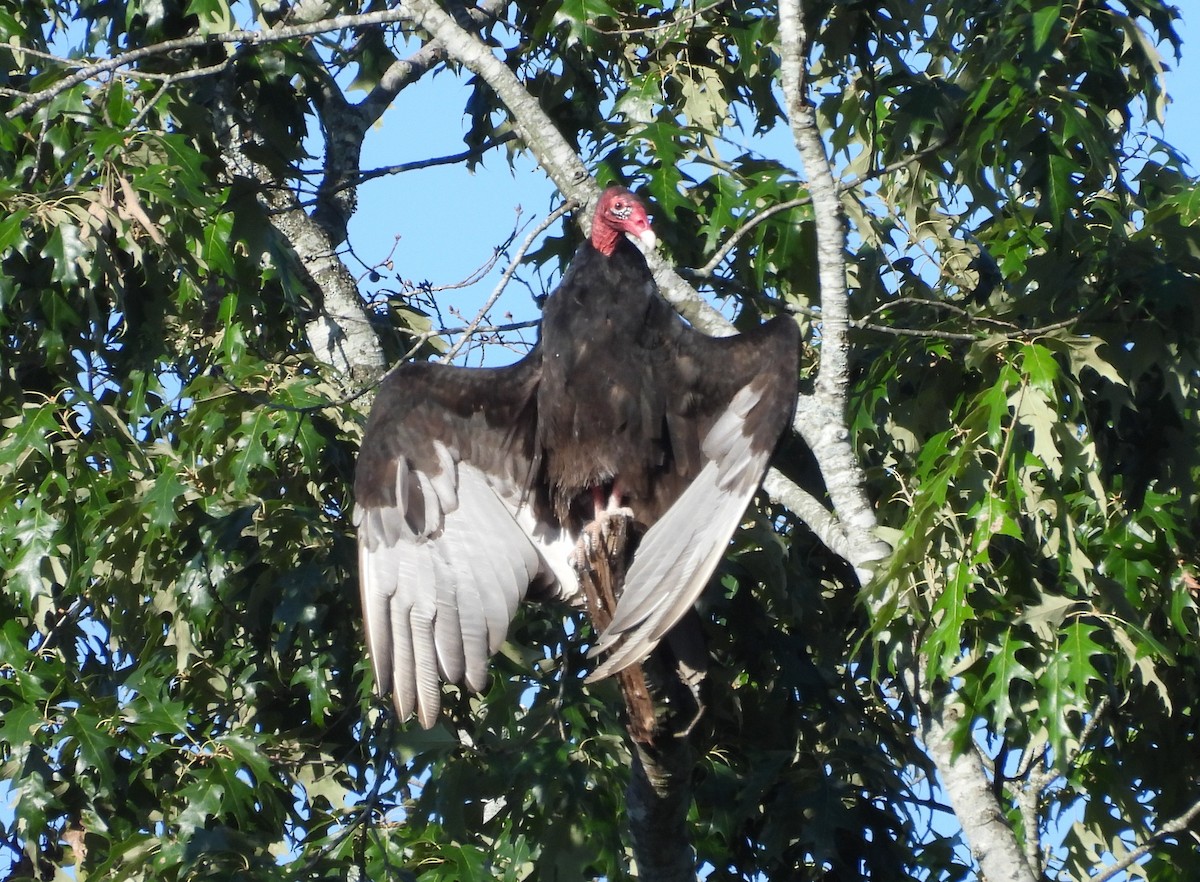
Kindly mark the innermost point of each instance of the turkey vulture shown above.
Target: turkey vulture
(474, 485)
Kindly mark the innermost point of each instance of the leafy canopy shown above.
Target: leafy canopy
(182, 687)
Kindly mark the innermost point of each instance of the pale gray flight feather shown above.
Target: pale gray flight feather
(678, 555)
(438, 603)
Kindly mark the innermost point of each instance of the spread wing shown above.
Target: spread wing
(732, 399)
(448, 541)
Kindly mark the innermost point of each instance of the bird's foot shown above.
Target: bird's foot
(608, 505)
(595, 533)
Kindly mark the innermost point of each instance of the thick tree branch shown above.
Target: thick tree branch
(822, 423)
(991, 839)
(339, 334)
(833, 378)
(963, 776)
(556, 157)
(658, 799)
(345, 125)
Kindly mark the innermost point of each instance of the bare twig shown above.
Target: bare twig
(67, 616)
(240, 37)
(707, 270)
(896, 165)
(928, 333)
(1176, 825)
(842, 187)
(1041, 780)
(933, 304)
(508, 274)
(385, 726)
(688, 19)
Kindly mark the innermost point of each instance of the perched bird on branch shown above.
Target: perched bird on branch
(475, 485)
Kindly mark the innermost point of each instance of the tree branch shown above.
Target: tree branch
(1172, 827)
(240, 37)
(991, 839)
(434, 161)
(339, 334)
(822, 421)
(827, 206)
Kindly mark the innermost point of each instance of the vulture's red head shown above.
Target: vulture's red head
(619, 213)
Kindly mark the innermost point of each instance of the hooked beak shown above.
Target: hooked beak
(646, 239)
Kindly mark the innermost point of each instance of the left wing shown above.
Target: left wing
(738, 408)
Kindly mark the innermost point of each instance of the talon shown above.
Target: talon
(589, 540)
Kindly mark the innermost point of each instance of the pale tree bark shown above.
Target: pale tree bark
(340, 333)
(992, 840)
(822, 423)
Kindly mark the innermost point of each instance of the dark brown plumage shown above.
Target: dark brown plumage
(474, 484)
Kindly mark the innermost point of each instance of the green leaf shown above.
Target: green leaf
(1065, 684)
(1044, 21)
(1084, 352)
(1187, 201)
(251, 453)
(1040, 367)
(1002, 669)
(67, 250)
(214, 15)
(32, 542)
(951, 611)
(586, 11)
(1060, 189)
(12, 232)
(1036, 411)
(160, 500)
(97, 746)
(28, 433)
